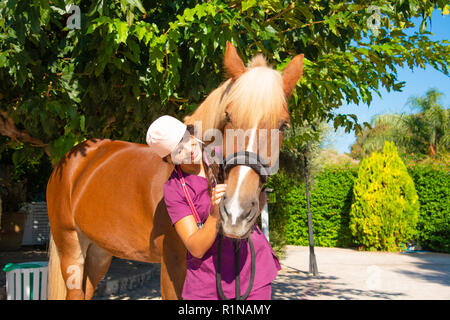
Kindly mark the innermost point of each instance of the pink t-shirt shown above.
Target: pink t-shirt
(200, 282)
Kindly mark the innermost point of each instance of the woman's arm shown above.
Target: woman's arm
(198, 241)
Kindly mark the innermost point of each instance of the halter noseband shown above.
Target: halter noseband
(249, 159)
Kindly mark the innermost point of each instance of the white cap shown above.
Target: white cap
(164, 134)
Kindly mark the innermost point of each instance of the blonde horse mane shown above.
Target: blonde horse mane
(255, 98)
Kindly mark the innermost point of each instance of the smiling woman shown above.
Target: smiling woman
(188, 150)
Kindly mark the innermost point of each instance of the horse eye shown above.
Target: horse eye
(227, 117)
(284, 126)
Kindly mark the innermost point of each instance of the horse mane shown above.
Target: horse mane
(255, 98)
(208, 112)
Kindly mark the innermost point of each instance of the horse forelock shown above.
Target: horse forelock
(257, 61)
(256, 99)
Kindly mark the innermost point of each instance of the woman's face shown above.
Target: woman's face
(188, 151)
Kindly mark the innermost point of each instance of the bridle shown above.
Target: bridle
(249, 159)
(262, 168)
(242, 158)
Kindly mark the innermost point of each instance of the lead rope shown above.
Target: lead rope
(188, 198)
(237, 266)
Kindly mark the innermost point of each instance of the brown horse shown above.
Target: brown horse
(105, 197)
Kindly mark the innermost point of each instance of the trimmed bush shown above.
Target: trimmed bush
(433, 188)
(330, 200)
(385, 210)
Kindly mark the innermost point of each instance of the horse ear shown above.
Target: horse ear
(292, 74)
(233, 63)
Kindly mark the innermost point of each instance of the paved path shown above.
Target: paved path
(350, 274)
(343, 274)
(346, 274)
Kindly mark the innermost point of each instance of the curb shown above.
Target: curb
(108, 287)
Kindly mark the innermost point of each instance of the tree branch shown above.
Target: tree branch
(289, 7)
(9, 129)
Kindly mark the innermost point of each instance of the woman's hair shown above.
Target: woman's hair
(212, 171)
(190, 128)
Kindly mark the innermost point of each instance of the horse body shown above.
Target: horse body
(135, 188)
(104, 199)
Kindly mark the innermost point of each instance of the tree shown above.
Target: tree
(302, 140)
(134, 60)
(385, 208)
(422, 134)
(384, 127)
(434, 124)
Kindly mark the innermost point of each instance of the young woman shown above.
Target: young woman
(175, 143)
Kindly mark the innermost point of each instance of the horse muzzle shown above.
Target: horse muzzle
(239, 223)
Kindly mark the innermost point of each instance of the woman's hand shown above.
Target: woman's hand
(217, 194)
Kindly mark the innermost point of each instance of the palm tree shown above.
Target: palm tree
(384, 127)
(432, 128)
(425, 132)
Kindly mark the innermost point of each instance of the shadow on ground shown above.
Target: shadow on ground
(299, 285)
(433, 267)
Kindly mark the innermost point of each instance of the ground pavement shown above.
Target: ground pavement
(345, 274)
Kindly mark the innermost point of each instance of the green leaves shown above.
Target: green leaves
(248, 4)
(131, 62)
(61, 145)
(446, 10)
(122, 31)
(433, 187)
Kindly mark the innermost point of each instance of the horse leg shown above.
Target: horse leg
(96, 265)
(173, 267)
(72, 256)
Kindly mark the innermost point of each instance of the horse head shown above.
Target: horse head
(250, 111)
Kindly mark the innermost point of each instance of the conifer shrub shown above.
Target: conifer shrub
(385, 208)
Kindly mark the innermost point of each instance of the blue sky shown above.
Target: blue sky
(417, 83)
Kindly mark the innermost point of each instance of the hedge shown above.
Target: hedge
(331, 199)
(433, 188)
